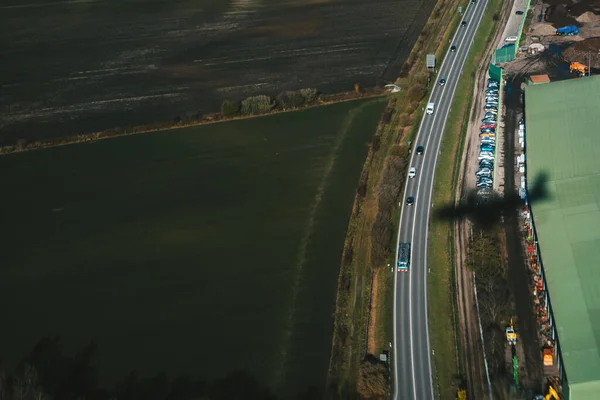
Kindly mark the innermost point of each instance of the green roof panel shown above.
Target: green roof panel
(562, 125)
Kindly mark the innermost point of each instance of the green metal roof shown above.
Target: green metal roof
(563, 140)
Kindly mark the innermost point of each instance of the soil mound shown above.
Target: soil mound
(543, 30)
(580, 52)
(588, 17)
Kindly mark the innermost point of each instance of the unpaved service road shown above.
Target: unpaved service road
(78, 66)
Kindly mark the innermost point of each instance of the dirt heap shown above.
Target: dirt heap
(588, 17)
(580, 52)
(542, 29)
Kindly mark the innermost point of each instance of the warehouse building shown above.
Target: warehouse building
(562, 140)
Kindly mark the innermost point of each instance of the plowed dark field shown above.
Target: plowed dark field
(77, 66)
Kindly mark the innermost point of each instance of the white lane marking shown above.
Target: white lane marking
(431, 191)
(433, 124)
(458, 31)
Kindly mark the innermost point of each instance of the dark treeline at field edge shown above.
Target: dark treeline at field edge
(48, 373)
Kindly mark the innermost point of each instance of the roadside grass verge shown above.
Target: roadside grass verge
(441, 244)
(372, 230)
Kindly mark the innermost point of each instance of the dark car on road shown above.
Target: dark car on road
(519, 12)
(420, 149)
(453, 48)
(410, 200)
(442, 81)
(463, 24)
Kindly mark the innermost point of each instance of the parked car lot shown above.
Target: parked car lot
(487, 136)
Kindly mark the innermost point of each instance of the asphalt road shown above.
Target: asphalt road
(412, 351)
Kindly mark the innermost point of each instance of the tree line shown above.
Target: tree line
(484, 257)
(47, 372)
(262, 104)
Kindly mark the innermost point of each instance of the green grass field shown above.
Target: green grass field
(198, 250)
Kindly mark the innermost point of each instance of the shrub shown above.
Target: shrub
(230, 108)
(290, 99)
(257, 105)
(405, 119)
(417, 92)
(423, 78)
(373, 379)
(310, 95)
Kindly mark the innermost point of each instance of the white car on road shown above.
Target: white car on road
(412, 172)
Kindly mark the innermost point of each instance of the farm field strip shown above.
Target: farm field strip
(187, 242)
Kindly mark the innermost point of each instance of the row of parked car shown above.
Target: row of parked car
(487, 136)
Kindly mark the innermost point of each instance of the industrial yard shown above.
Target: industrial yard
(546, 66)
(122, 63)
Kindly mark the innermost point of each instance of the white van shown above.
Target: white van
(429, 109)
(510, 39)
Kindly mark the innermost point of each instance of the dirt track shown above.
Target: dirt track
(471, 346)
(518, 272)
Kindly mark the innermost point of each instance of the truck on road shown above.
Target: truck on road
(403, 257)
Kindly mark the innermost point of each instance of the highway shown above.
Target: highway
(411, 349)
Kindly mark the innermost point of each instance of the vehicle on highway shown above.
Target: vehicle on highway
(420, 149)
(453, 48)
(410, 200)
(463, 24)
(519, 12)
(429, 109)
(442, 81)
(403, 257)
(412, 172)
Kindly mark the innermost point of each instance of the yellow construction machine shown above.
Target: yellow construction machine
(511, 336)
(552, 394)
